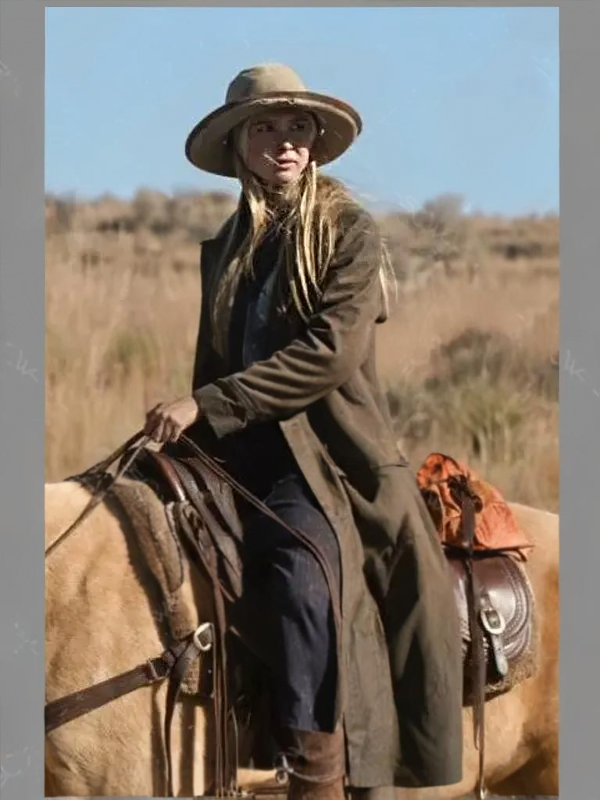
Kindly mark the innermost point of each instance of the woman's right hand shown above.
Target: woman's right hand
(167, 421)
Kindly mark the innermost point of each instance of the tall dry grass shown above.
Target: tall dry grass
(472, 372)
(118, 341)
(468, 359)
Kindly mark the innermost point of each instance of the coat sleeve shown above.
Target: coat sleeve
(321, 358)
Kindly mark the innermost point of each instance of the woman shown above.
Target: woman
(366, 646)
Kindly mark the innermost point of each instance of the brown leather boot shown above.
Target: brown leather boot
(315, 763)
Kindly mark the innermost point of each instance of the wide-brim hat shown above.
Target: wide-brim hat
(269, 86)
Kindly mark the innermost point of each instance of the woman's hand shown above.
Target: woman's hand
(167, 421)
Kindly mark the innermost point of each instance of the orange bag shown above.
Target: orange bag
(441, 480)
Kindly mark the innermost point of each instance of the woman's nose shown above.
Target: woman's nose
(285, 141)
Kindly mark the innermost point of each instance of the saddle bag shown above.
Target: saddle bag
(486, 551)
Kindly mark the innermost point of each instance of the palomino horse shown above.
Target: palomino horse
(100, 621)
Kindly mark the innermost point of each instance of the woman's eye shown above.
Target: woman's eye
(262, 128)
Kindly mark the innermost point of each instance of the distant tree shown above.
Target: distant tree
(445, 234)
(151, 210)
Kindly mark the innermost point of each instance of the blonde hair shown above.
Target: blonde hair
(309, 215)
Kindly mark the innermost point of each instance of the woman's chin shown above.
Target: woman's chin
(284, 179)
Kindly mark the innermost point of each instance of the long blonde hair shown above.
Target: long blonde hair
(309, 216)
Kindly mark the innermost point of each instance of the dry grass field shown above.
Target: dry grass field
(468, 357)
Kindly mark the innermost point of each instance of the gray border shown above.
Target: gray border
(22, 388)
(21, 398)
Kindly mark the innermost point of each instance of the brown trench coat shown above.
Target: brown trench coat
(400, 688)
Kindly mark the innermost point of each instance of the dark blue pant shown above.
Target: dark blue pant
(295, 602)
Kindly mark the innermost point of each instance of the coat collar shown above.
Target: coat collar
(214, 266)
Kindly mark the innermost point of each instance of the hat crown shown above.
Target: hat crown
(262, 79)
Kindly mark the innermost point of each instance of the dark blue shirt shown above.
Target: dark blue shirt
(258, 455)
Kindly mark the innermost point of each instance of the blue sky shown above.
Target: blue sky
(462, 100)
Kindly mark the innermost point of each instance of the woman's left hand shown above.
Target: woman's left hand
(167, 421)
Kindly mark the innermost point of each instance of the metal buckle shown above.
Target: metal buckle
(493, 621)
(203, 645)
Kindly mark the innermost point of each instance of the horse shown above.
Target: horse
(101, 620)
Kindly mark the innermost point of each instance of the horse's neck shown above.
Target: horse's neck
(94, 592)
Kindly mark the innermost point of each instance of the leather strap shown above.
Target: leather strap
(178, 674)
(204, 554)
(76, 704)
(477, 649)
(220, 493)
(97, 474)
(166, 466)
(173, 663)
(296, 532)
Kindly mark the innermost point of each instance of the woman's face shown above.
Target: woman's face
(277, 145)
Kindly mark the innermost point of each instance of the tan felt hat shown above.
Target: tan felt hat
(263, 87)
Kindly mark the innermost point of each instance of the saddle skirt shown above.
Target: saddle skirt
(158, 540)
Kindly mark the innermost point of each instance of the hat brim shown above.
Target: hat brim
(207, 146)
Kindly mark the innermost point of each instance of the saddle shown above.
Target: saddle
(201, 507)
(485, 549)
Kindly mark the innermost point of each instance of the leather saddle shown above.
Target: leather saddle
(205, 518)
(214, 528)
